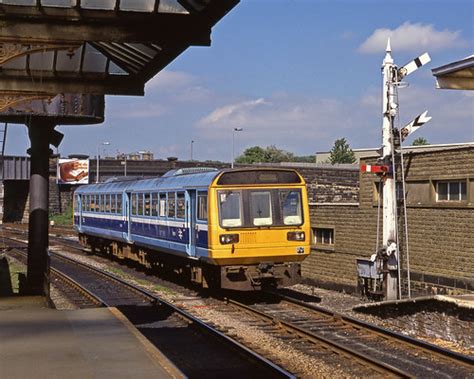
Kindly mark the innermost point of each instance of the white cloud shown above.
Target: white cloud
(170, 80)
(232, 114)
(412, 37)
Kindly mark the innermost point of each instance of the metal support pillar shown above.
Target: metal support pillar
(38, 258)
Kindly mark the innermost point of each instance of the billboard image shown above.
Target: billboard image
(73, 171)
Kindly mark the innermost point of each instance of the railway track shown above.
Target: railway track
(196, 348)
(371, 346)
(364, 349)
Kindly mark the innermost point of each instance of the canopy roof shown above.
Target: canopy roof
(456, 75)
(98, 46)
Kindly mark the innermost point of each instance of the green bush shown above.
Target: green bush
(64, 218)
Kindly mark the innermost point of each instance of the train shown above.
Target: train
(239, 229)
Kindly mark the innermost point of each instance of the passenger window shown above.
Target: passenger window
(147, 198)
(180, 205)
(113, 203)
(102, 203)
(140, 204)
(119, 203)
(171, 204)
(107, 203)
(202, 206)
(261, 208)
(230, 205)
(290, 206)
(162, 207)
(134, 203)
(154, 204)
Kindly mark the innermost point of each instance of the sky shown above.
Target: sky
(297, 74)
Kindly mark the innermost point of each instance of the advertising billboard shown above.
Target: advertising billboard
(73, 171)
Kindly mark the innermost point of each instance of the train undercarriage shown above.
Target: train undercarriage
(233, 277)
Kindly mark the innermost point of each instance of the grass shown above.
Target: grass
(64, 218)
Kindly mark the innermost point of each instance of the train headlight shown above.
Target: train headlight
(295, 236)
(229, 238)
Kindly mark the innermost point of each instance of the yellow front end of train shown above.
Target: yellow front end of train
(259, 227)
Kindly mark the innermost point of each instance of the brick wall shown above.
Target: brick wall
(16, 201)
(441, 236)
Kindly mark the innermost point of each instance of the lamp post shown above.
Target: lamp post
(192, 145)
(233, 144)
(98, 158)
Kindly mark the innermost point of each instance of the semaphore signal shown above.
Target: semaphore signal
(415, 124)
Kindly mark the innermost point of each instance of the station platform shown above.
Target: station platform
(40, 342)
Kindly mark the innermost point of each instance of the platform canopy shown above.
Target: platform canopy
(456, 75)
(97, 47)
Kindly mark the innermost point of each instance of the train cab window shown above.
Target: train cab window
(261, 208)
(230, 206)
(202, 206)
(154, 204)
(162, 206)
(147, 201)
(290, 207)
(140, 204)
(171, 204)
(134, 203)
(180, 205)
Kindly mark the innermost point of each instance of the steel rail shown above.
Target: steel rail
(277, 370)
(381, 367)
(432, 348)
(67, 280)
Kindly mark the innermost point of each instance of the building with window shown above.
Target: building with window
(440, 213)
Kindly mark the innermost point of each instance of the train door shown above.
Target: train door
(190, 221)
(79, 210)
(127, 219)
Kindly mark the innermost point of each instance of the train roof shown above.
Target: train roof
(170, 181)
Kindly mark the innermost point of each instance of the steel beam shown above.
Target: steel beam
(163, 30)
(19, 81)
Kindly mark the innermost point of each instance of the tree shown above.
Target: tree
(341, 152)
(420, 141)
(270, 154)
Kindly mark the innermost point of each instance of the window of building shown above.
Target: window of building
(455, 190)
(323, 236)
(202, 206)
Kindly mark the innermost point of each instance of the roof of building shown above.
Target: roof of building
(456, 75)
(98, 47)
